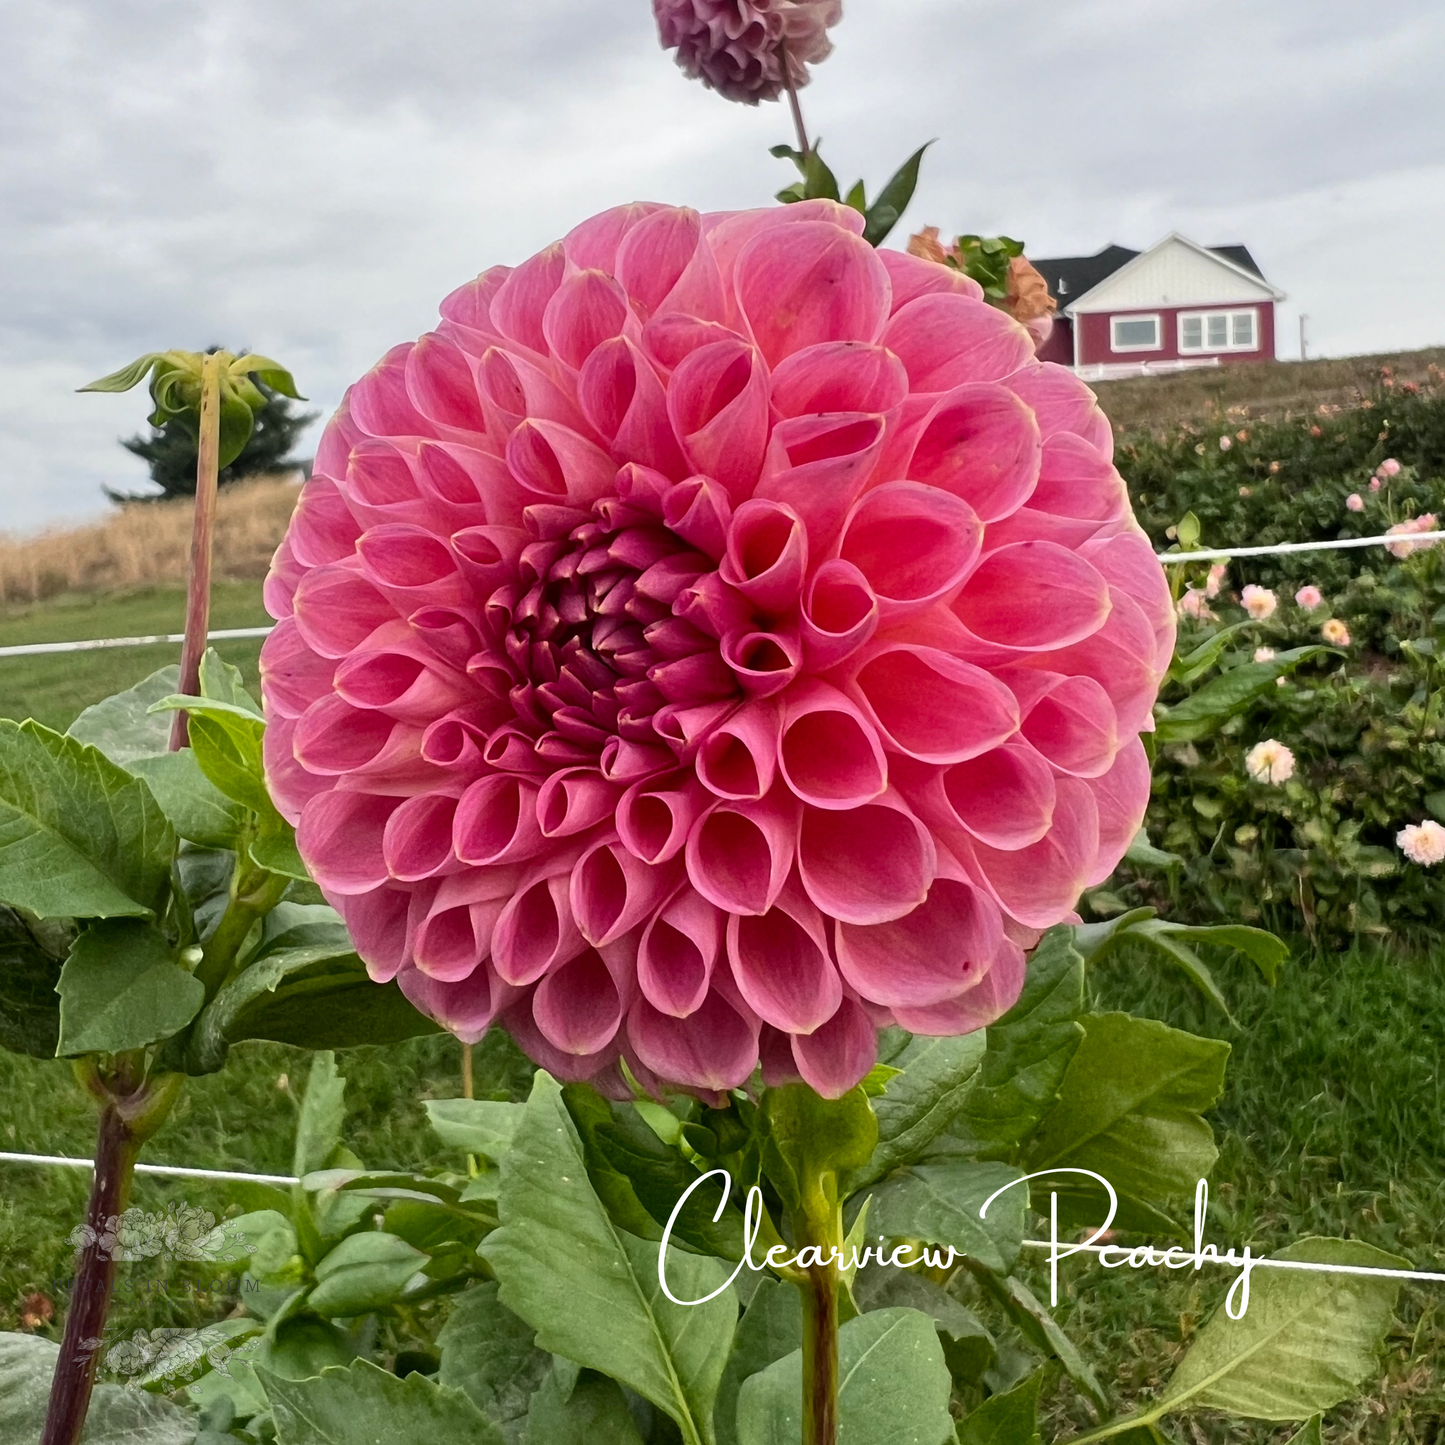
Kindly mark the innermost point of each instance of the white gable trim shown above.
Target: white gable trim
(1096, 298)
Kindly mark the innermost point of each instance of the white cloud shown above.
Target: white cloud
(310, 179)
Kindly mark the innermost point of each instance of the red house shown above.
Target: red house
(1174, 306)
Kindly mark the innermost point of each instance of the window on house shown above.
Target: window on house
(1219, 330)
(1134, 333)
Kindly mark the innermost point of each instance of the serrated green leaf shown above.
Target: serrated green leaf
(364, 1405)
(1007, 1419)
(581, 1411)
(198, 810)
(1130, 1108)
(1026, 1054)
(121, 988)
(79, 836)
(489, 1353)
(939, 1203)
(591, 1291)
(323, 1107)
(893, 1387)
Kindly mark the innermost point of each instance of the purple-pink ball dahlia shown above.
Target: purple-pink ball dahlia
(716, 641)
(738, 47)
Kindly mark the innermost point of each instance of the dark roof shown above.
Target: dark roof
(1069, 277)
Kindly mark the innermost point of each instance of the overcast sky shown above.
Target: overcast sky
(309, 179)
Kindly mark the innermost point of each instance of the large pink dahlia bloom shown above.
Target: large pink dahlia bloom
(716, 640)
(737, 47)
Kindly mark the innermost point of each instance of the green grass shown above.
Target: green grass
(53, 688)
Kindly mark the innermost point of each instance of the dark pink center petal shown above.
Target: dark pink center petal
(740, 757)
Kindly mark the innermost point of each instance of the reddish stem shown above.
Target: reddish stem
(820, 1357)
(797, 109)
(198, 595)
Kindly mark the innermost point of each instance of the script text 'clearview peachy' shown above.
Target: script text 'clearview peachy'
(812, 1257)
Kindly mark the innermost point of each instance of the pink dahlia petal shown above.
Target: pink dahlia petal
(936, 952)
(996, 993)
(706, 594)
(838, 1053)
(781, 964)
(869, 865)
(810, 283)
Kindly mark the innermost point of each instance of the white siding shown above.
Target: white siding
(1173, 274)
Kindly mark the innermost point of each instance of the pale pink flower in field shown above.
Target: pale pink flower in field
(1244, 491)
(1264, 654)
(1194, 603)
(716, 641)
(1269, 762)
(1216, 579)
(1425, 522)
(1335, 633)
(736, 47)
(1259, 602)
(1374, 484)
(1225, 443)
(1389, 468)
(1309, 597)
(1422, 843)
(1355, 502)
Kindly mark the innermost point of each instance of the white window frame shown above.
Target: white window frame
(1204, 348)
(1156, 345)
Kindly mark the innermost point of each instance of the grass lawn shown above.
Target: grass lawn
(55, 687)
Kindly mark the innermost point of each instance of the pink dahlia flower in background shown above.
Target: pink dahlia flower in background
(1309, 597)
(1354, 502)
(716, 641)
(1422, 843)
(1259, 602)
(737, 47)
(1389, 468)
(1426, 522)
(1335, 632)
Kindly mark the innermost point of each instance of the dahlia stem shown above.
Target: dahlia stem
(797, 109)
(469, 1092)
(818, 1221)
(203, 527)
(130, 1113)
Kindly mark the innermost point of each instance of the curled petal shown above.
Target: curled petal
(982, 444)
(377, 923)
(714, 1047)
(699, 511)
(579, 1006)
(718, 402)
(807, 283)
(738, 854)
(496, 822)
(441, 386)
(625, 403)
(930, 705)
(417, 842)
(535, 930)
(411, 566)
(1121, 795)
(992, 997)
(293, 675)
(337, 609)
(830, 753)
(1071, 722)
(817, 466)
(587, 309)
(1033, 597)
(656, 815)
(677, 953)
(664, 266)
(781, 964)
(340, 837)
(767, 555)
(947, 339)
(913, 543)
(868, 865)
(840, 614)
(554, 463)
(613, 892)
(912, 277)
(521, 300)
(836, 376)
(1062, 403)
(740, 756)
(838, 1053)
(323, 529)
(1004, 797)
(573, 800)
(764, 663)
(465, 1007)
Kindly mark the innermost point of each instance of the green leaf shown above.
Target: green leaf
(221, 682)
(274, 848)
(1197, 661)
(589, 1410)
(590, 1290)
(1305, 1343)
(237, 421)
(79, 837)
(1027, 1052)
(891, 202)
(968, 1347)
(1307, 1434)
(366, 1272)
(298, 1347)
(935, 1077)
(1007, 1419)
(121, 988)
(771, 1327)
(857, 198)
(364, 1405)
(1206, 711)
(122, 726)
(127, 376)
(1130, 1108)
(227, 743)
(197, 809)
(893, 1387)
(477, 1126)
(1263, 949)
(818, 181)
(489, 1353)
(29, 1008)
(1039, 1328)
(323, 1107)
(117, 1415)
(269, 373)
(1187, 531)
(939, 1203)
(1142, 854)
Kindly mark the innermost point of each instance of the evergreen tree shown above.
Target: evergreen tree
(170, 450)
